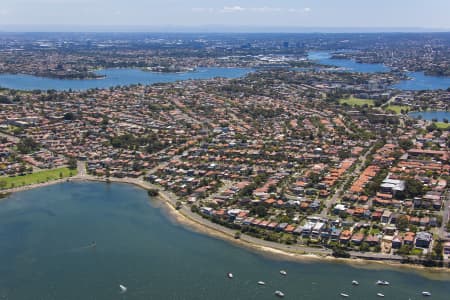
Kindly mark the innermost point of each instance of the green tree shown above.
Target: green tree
(27, 145)
(404, 250)
(194, 208)
(438, 250)
(69, 116)
(402, 222)
(178, 205)
(405, 144)
(72, 162)
(153, 192)
(413, 188)
(272, 189)
(340, 253)
(364, 247)
(314, 177)
(261, 211)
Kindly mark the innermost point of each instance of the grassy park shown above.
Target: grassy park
(7, 182)
(442, 125)
(397, 108)
(352, 101)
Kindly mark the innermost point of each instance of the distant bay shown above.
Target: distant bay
(416, 81)
(431, 115)
(419, 81)
(324, 57)
(114, 77)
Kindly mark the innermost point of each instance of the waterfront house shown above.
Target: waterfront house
(206, 210)
(264, 224)
(317, 229)
(298, 230)
(272, 225)
(397, 242)
(357, 238)
(409, 238)
(423, 239)
(247, 221)
(372, 240)
(446, 249)
(307, 228)
(345, 236)
(289, 229)
(335, 233)
(281, 226)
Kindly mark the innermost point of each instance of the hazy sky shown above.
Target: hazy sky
(258, 13)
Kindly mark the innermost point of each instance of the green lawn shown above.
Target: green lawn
(442, 125)
(7, 182)
(352, 101)
(416, 251)
(375, 231)
(396, 108)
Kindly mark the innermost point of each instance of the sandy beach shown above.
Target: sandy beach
(195, 222)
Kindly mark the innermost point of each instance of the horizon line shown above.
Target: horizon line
(56, 28)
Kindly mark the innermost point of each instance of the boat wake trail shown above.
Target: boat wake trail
(92, 245)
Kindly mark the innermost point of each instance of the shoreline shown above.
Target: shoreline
(197, 223)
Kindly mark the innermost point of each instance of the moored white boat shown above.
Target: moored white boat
(123, 288)
(283, 272)
(354, 282)
(426, 294)
(230, 275)
(382, 282)
(279, 293)
(344, 295)
(380, 295)
(261, 283)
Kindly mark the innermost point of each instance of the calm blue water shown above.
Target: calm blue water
(44, 254)
(114, 77)
(420, 81)
(347, 64)
(430, 115)
(417, 81)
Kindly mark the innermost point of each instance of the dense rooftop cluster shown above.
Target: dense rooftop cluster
(279, 154)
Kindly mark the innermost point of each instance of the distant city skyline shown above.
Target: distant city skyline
(224, 15)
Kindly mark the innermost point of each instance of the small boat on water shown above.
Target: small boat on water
(344, 295)
(354, 282)
(279, 294)
(283, 272)
(380, 295)
(382, 282)
(123, 288)
(261, 283)
(230, 275)
(426, 294)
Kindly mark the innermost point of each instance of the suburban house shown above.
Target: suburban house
(423, 239)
